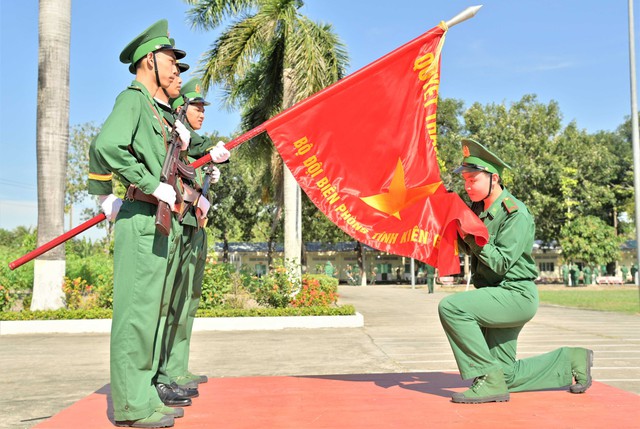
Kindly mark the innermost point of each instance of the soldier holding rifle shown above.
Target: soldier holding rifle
(174, 367)
(132, 144)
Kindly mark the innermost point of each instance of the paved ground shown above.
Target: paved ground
(43, 374)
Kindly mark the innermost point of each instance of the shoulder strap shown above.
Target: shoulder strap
(509, 205)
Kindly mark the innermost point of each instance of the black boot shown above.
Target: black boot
(187, 392)
(581, 363)
(171, 398)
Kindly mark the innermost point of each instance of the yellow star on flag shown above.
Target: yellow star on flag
(399, 196)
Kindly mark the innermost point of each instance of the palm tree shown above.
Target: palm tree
(268, 59)
(52, 141)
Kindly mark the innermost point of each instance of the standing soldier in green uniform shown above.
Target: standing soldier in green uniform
(586, 273)
(483, 325)
(431, 277)
(185, 297)
(100, 184)
(565, 274)
(634, 271)
(132, 144)
(170, 392)
(329, 269)
(625, 272)
(573, 274)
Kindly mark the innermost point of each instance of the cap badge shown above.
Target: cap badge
(465, 151)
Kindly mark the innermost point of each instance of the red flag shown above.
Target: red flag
(364, 150)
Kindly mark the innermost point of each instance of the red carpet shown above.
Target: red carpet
(371, 401)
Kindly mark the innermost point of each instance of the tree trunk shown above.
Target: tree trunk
(292, 200)
(52, 140)
(225, 247)
(272, 236)
(361, 263)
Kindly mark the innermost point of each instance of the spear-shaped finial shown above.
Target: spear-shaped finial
(469, 12)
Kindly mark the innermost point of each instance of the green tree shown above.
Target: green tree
(620, 146)
(450, 131)
(590, 240)
(235, 203)
(268, 59)
(78, 165)
(317, 227)
(524, 134)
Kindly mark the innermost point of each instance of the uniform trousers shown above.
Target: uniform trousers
(140, 306)
(483, 325)
(185, 298)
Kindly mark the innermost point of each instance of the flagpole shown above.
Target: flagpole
(635, 139)
(468, 13)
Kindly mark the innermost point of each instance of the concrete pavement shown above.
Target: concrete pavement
(42, 374)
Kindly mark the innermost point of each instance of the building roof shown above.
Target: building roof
(311, 247)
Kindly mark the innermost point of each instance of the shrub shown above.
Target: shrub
(79, 294)
(97, 272)
(275, 289)
(95, 269)
(6, 298)
(317, 290)
(101, 313)
(20, 279)
(216, 284)
(327, 283)
(104, 290)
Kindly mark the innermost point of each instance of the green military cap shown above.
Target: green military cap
(479, 158)
(154, 38)
(183, 67)
(192, 91)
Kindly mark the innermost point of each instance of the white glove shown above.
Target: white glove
(165, 193)
(184, 133)
(215, 175)
(219, 153)
(203, 207)
(110, 206)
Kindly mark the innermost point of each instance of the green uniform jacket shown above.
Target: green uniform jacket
(128, 144)
(506, 258)
(198, 147)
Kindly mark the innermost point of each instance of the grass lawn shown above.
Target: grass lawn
(623, 299)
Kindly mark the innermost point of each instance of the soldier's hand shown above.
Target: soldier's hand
(165, 193)
(110, 205)
(215, 175)
(184, 133)
(219, 153)
(203, 207)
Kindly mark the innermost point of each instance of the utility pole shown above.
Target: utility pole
(635, 140)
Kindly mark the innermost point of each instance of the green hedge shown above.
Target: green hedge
(102, 313)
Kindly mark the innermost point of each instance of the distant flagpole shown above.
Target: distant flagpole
(635, 140)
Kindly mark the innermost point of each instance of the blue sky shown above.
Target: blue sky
(575, 52)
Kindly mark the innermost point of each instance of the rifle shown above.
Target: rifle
(171, 169)
(100, 217)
